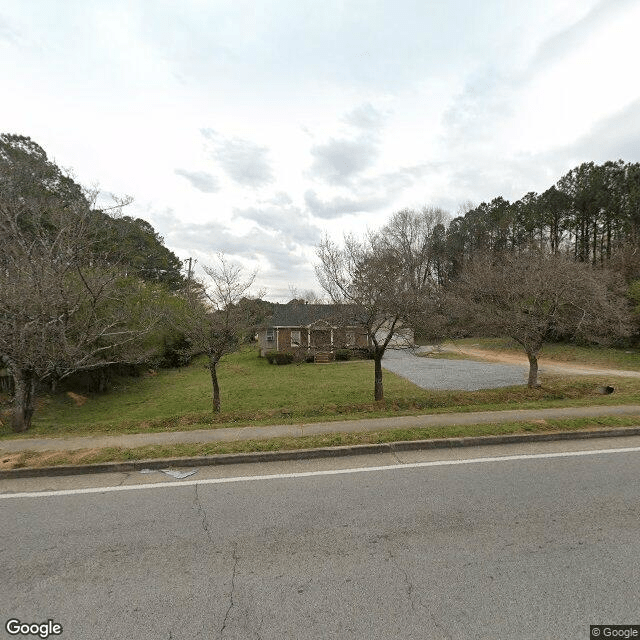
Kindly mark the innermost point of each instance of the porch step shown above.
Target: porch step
(322, 358)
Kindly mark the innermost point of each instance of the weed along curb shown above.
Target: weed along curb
(323, 452)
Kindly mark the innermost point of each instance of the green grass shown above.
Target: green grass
(256, 393)
(598, 356)
(118, 454)
(251, 389)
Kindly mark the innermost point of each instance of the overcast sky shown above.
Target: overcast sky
(253, 127)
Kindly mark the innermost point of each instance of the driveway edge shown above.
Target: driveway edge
(308, 454)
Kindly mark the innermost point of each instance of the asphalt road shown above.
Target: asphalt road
(494, 546)
(466, 375)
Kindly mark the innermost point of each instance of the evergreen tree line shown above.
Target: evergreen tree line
(591, 214)
(30, 181)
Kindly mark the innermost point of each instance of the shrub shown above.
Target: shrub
(174, 352)
(279, 357)
(343, 354)
(300, 355)
(362, 353)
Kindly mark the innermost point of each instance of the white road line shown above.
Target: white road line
(308, 474)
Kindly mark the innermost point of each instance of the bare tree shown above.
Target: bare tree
(534, 297)
(219, 316)
(306, 296)
(62, 308)
(386, 281)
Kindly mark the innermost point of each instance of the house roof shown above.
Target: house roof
(303, 315)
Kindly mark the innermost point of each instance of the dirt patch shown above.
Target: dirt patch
(9, 460)
(548, 366)
(77, 398)
(46, 458)
(77, 457)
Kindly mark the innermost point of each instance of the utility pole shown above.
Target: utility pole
(189, 272)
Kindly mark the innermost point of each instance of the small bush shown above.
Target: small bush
(300, 356)
(175, 352)
(279, 357)
(362, 353)
(343, 354)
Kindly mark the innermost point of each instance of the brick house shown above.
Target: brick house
(311, 329)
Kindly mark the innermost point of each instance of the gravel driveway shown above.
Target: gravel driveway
(467, 375)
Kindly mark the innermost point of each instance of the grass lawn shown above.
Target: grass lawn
(251, 390)
(257, 393)
(120, 454)
(599, 356)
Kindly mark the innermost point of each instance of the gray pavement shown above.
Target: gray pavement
(527, 548)
(466, 375)
(297, 430)
(15, 487)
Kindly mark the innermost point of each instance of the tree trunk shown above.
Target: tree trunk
(23, 400)
(378, 389)
(533, 370)
(213, 363)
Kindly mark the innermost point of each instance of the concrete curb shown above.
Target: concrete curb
(308, 454)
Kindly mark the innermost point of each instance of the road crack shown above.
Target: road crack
(257, 631)
(233, 586)
(439, 627)
(408, 583)
(203, 514)
(126, 475)
(409, 588)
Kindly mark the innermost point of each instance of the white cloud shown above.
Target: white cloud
(287, 221)
(339, 206)
(201, 180)
(317, 117)
(339, 161)
(244, 161)
(366, 117)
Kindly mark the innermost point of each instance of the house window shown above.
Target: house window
(351, 338)
(270, 336)
(295, 339)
